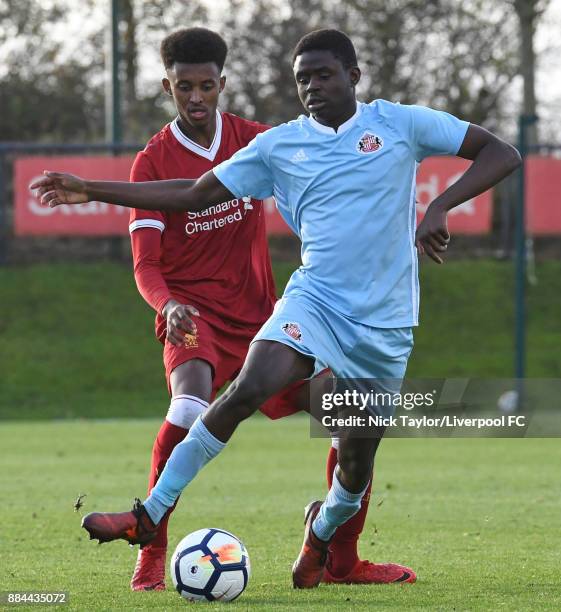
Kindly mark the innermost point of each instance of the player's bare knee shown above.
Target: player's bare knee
(246, 395)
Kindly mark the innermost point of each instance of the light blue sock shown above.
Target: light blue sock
(338, 507)
(185, 462)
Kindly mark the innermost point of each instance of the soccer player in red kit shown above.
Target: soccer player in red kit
(208, 277)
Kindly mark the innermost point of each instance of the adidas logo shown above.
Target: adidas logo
(300, 156)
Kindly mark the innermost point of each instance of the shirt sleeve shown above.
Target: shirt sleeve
(146, 244)
(246, 173)
(436, 132)
(142, 170)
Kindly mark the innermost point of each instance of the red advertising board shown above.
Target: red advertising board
(543, 195)
(101, 219)
(92, 219)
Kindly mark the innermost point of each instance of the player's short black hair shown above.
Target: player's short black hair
(328, 40)
(193, 46)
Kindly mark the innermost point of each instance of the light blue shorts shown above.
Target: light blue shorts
(351, 350)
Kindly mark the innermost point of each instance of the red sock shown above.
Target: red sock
(344, 545)
(167, 439)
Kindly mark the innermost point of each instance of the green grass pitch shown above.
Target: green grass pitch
(478, 519)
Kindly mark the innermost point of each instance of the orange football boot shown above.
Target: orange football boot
(308, 569)
(365, 572)
(135, 526)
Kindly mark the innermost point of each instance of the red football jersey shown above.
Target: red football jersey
(217, 259)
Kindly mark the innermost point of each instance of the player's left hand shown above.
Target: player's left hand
(432, 236)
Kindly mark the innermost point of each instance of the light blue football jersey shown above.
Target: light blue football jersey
(350, 197)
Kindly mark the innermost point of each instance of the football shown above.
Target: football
(210, 565)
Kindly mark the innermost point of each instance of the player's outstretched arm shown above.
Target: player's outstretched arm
(56, 188)
(493, 159)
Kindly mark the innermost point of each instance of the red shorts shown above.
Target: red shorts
(225, 350)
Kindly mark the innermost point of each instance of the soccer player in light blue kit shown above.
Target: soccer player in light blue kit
(344, 180)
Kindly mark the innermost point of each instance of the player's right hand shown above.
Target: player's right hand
(179, 321)
(56, 188)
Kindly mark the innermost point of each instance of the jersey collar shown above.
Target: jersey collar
(209, 153)
(325, 129)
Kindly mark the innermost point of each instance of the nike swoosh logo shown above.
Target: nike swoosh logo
(406, 576)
